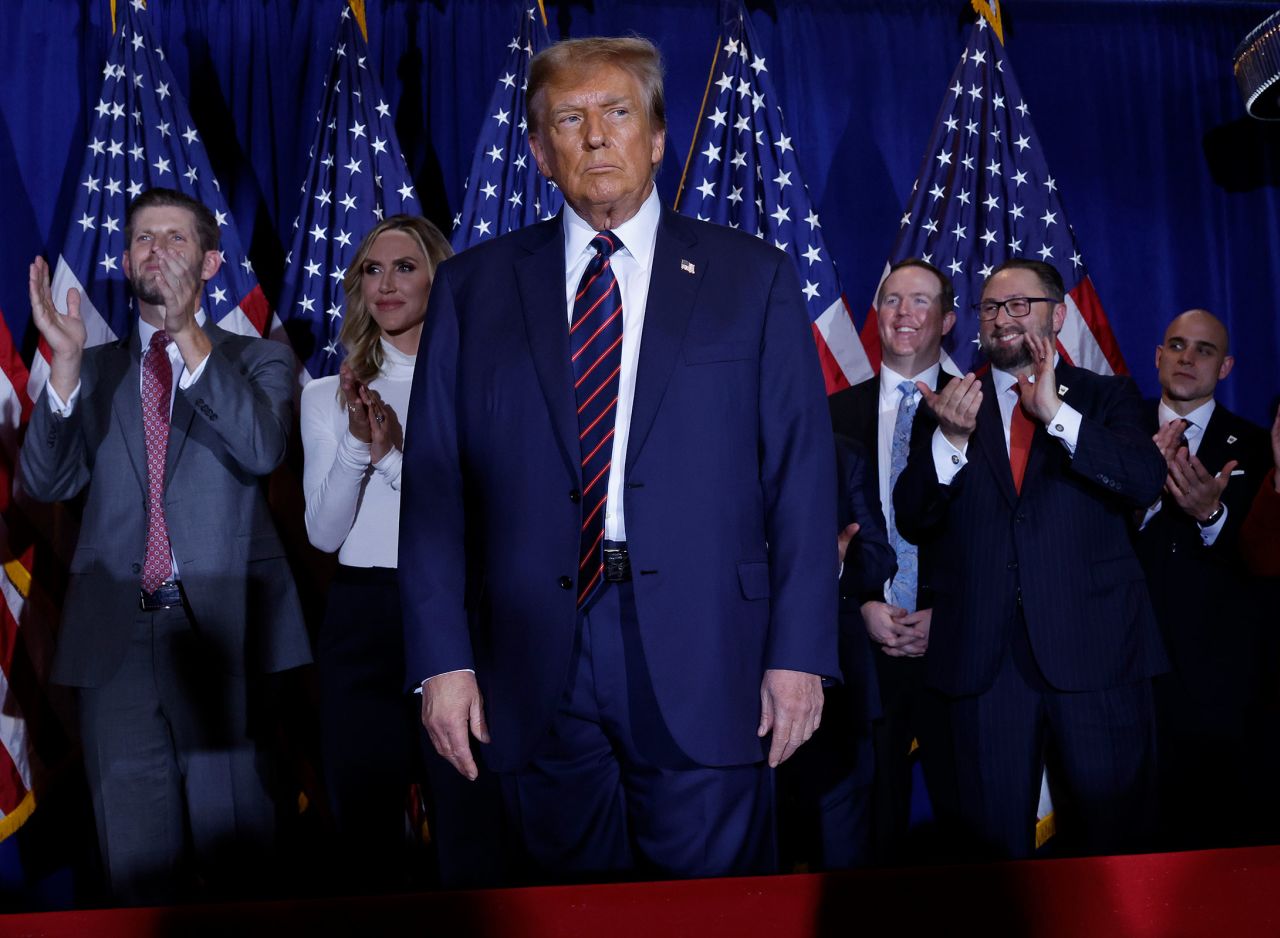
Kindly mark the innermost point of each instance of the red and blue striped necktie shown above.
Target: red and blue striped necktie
(595, 344)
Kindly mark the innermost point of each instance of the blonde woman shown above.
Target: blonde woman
(351, 432)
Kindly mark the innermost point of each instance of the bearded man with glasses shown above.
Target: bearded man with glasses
(1043, 637)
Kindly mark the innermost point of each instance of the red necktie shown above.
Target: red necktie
(157, 384)
(1021, 430)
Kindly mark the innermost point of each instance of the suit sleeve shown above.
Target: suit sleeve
(797, 469)
(871, 560)
(1114, 448)
(247, 401)
(1260, 533)
(432, 508)
(54, 456)
(920, 500)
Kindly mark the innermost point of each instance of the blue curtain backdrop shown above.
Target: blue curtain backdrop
(1173, 190)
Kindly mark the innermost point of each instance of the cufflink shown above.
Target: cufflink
(1231, 439)
(955, 460)
(1058, 427)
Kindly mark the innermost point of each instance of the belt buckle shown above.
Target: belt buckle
(617, 564)
(165, 596)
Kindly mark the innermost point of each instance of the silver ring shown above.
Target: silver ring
(378, 417)
(354, 408)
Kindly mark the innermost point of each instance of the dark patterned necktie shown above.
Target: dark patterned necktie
(157, 384)
(595, 344)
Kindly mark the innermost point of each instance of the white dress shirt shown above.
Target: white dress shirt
(1197, 420)
(631, 264)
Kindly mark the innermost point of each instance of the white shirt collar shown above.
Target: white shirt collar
(146, 330)
(637, 233)
(1199, 417)
(890, 379)
(1004, 380)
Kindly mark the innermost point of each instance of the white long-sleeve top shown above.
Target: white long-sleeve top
(353, 506)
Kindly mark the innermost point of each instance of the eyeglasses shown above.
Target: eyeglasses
(1015, 306)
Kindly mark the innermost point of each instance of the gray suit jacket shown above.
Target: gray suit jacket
(228, 431)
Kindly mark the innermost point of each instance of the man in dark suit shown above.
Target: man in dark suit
(617, 553)
(179, 597)
(1209, 607)
(1042, 636)
(915, 310)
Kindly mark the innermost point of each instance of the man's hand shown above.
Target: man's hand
(843, 539)
(1196, 491)
(65, 335)
(1168, 438)
(790, 707)
(898, 632)
(1039, 400)
(180, 287)
(955, 407)
(452, 706)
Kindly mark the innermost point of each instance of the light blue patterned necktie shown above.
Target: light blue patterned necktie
(902, 591)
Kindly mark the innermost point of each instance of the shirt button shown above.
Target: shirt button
(565, 583)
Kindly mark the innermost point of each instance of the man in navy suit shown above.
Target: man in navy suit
(616, 548)
(1209, 707)
(1042, 636)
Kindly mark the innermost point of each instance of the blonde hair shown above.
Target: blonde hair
(632, 54)
(360, 332)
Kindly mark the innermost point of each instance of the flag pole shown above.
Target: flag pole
(697, 126)
(357, 7)
(990, 11)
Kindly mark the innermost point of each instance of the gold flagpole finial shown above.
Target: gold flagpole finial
(543, 10)
(990, 11)
(357, 7)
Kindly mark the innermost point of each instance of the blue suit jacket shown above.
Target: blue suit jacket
(1062, 545)
(729, 486)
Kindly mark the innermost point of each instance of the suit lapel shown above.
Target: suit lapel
(1218, 446)
(673, 285)
(540, 275)
(1041, 443)
(990, 438)
(126, 405)
(183, 413)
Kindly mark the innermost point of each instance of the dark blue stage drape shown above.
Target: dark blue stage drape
(1172, 190)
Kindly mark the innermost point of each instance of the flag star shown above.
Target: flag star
(944, 158)
(782, 179)
(191, 174)
(811, 290)
(137, 41)
(991, 202)
(1020, 177)
(516, 199)
(744, 88)
(1022, 108)
(103, 108)
(985, 271)
(979, 58)
(457, 220)
(221, 219)
(717, 117)
(379, 145)
(963, 196)
(514, 44)
(86, 222)
(1045, 252)
(937, 192)
(757, 101)
(383, 109)
(137, 81)
(324, 197)
(162, 166)
(783, 213)
(405, 191)
(725, 82)
(712, 153)
(1049, 218)
(1022, 143)
(957, 89)
(731, 47)
(927, 258)
(134, 189)
(113, 186)
(757, 64)
(307, 304)
(344, 238)
(523, 125)
(741, 123)
(502, 117)
(708, 188)
(349, 202)
(989, 237)
(522, 161)
(739, 160)
(959, 232)
(759, 135)
(162, 90)
(1015, 245)
(494, 153)
(735, 194)
(334, 311)
(1076, 259)
(1015, 212)
(967, 162)
(190, 136)
(951, 123)
(336, 274)
(995, 134)
(783, 143)
(98, 147)
(342, 47)
(331, 349)
(248, 267)
(1050, 184)
(219, 295)
(813, 254)
(117, 111)
(318, 233)
(313, 268)
(812, 219)
(353, 166)
(91, 184)
(163, 128)
(357, 130)
(482, 227)
(906, 220)
(489, 190)
(509, 80)
(931, 226)
(997, 102)
(976, 93)
(107, 263)
(327, 162)
(955, 266)
(993, 167)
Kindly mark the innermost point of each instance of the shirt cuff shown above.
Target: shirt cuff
(388, 468)
(353, 453)
(1210, 534)
(58, 405)
(442, 674)
(947, 460)
(191, 377)
(1065, 425)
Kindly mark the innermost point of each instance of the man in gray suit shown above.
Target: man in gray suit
(180, 597)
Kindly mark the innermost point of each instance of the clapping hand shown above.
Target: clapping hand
(65, 335)
(955, 407)
(1039, 399)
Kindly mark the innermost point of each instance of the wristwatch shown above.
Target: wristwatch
(1213, 518)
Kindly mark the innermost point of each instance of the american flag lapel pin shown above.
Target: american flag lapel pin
(687, 267)
(1231, 439)
(1062, 390)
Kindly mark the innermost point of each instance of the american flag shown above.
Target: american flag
(743, 172)
(505, 191)
(142, 137)
(358, 176)
(984, 194)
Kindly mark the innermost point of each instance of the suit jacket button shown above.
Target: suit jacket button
(137, 568)
(575, 496)
(566, 583)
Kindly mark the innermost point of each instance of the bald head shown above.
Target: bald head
(1192, 360)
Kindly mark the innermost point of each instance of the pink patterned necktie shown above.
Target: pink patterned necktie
(157, 385)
